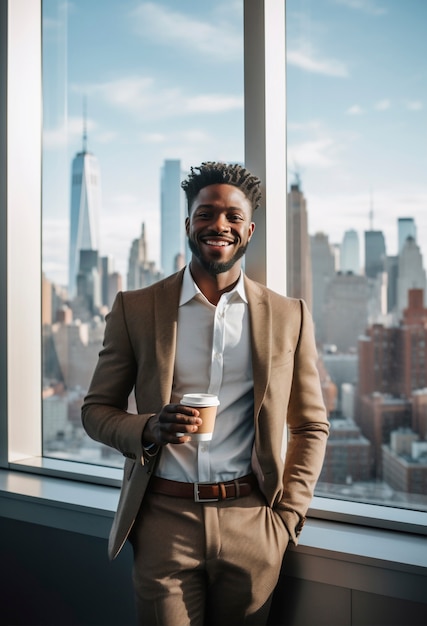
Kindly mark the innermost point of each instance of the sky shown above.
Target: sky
(164, 80)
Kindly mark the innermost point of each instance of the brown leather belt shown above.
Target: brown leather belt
(204, 492)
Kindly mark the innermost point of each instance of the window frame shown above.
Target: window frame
(20, 249)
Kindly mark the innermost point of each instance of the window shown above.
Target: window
(356, 104)
(264, 152)
(134, 94)
(25, 291)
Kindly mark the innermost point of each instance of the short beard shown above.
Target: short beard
(215, 267)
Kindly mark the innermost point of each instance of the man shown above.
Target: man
(209, 522)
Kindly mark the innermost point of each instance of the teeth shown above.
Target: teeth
(217, 243)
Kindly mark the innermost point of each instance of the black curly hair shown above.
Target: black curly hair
(212, 173)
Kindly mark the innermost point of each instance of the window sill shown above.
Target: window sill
(58, 503)
(353, 555)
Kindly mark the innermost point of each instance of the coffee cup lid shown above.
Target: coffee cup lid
(199, 399)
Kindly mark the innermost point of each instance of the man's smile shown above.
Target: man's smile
(217, 242)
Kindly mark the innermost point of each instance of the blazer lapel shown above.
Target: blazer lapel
(166, 316)
(261, 328)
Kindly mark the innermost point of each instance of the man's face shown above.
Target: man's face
(219, 227)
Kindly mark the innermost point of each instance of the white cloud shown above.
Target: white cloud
(371, 7)
(307, 60)
(214, 103)
(382, 105)
(216, 39)
(355, 110)
(316, 153)
(141, 96)
(414, 105)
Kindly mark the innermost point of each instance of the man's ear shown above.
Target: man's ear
(251, 231)
(187, 225)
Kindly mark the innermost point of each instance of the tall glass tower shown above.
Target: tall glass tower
(84, 211)
(298, 270)
(173, 238)
(375, 253)
(405, 228)
(350, 254)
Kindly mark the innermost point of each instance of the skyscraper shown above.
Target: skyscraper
(298, 268)
(323, 268)
(172, 207)
(350, 252)
(141, 271)
(410, 273)
(405, 228)
(346, 310)
(84, 210)
(375, 253)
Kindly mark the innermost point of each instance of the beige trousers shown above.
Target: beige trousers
(206, 563)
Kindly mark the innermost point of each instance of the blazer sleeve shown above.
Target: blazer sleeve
(308, 430)
(104, 412)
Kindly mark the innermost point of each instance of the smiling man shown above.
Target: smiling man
(209, 522)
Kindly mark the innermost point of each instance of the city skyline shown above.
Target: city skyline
(357, 128)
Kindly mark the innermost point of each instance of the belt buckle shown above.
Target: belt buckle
(197, 497)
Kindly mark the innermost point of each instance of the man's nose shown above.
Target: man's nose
(220, 224)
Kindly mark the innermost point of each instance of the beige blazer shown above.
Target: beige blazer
(290, 421)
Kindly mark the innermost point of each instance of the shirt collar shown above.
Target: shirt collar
(189, 288)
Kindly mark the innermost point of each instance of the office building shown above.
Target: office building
(172, 213)
(375, 253)
(107, 268)
(298, 268)
(88, 300)
(141, 271)
(84, 211)
(77, 346)
(323, 271)
(410, 273)
(346, 310)
(391, 268)
(348, 455)
(378, 415)
(405, 228)
(392, 360)
(115, 284)
(412, 356)
(342, 369)
(378, 360)
(350, 252)
(419, 412)
(405, 462)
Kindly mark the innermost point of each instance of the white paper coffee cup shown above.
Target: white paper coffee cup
(206, 404)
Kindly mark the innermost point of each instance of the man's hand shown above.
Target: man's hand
(174, 424)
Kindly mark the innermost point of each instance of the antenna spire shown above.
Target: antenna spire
(84, 124)
(371, 212)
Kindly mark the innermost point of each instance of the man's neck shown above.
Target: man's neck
(213, 286)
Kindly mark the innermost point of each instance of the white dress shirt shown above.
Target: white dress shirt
(213, 355)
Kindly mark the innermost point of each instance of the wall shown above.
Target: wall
(62, 578)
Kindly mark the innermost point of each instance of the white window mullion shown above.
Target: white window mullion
(265, 136)
(24, 117)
